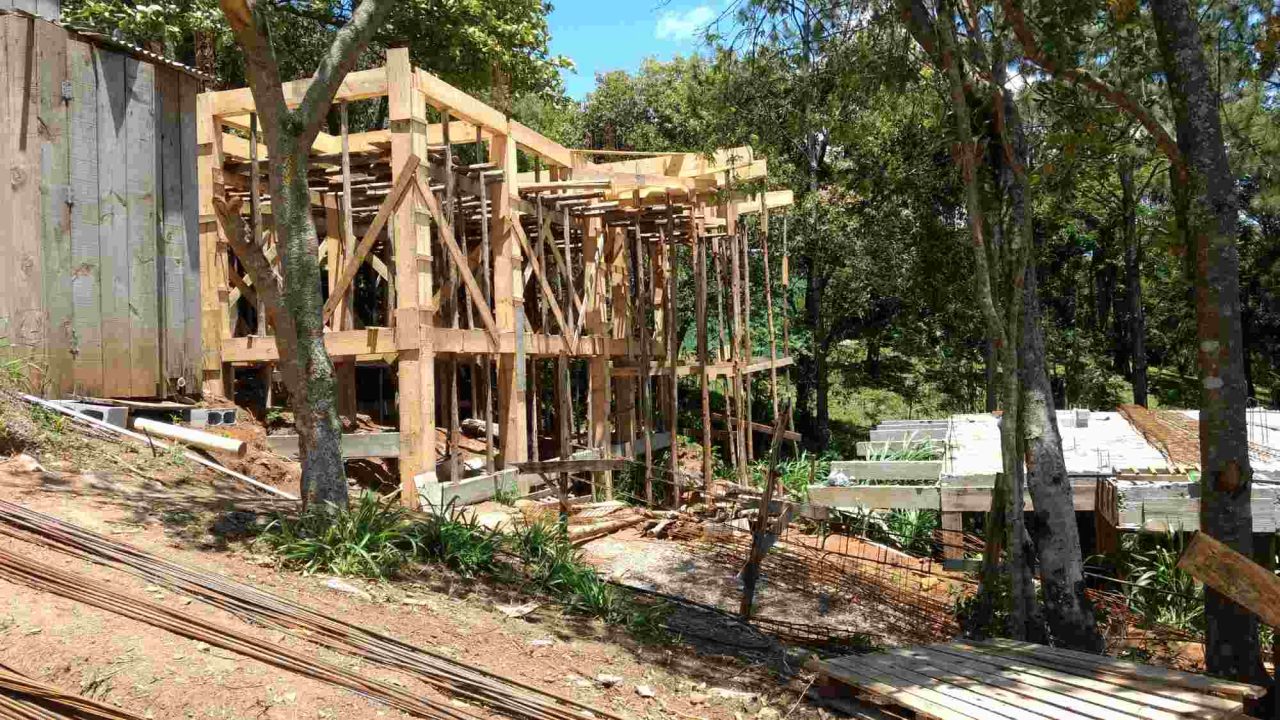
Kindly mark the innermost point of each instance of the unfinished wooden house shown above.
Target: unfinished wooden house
(98, 142)
(506, 282)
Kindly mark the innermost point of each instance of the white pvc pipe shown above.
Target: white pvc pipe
(63, 410)
(191, 436)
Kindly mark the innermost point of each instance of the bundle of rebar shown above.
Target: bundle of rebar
(22, 698)
(461, 681)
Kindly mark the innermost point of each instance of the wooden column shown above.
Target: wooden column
(344, 367)
(620, 304)
(673, 356)
(768, 302)
(414, 317)
(594, 258)
(952, 535)
(508, 298)
(214, 291)
(700, 272)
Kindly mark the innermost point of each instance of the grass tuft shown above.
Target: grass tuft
(372, 539)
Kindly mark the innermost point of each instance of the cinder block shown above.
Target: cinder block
(112, 414)
(211, 417)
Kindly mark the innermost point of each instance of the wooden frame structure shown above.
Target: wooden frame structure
(497, 278)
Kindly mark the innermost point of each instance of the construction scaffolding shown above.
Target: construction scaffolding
(487, 279)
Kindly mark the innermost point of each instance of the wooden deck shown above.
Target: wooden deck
(1004, 680)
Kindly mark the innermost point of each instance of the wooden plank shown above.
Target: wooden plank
(978, 499)
(888, 469)
(1030, 704)
(1048, 697)
(1098, 663)
(55, 213)
(173, 230)
(8, 154)
(188, 89)
(143, 246)
(574, 466)
(113, 226)
(26, 327)
(1245, 582)
(354, 445)
(877, 496)
(952, 536)
(86, 291)
(358, 85)
(1129, 695)
(912, 694)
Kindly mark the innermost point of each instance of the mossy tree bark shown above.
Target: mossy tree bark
(293, 295)
(1231, 632)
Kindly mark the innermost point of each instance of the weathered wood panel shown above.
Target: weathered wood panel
(190, 371)
(172, 241)
(113, 225)
(140, 198)
(55, 185)
(86, 290)
(25, 327)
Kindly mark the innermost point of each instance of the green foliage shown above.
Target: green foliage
(911, 531)
(455, 537)
(372, 539)
(1157, 590)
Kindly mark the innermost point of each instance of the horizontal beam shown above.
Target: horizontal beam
(931, 497)
(381, 341)
(358, 85)
(354, 445)
(574, 466)
(888, 469)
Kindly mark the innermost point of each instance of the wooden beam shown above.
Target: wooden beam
(550, 467)
(547, 294)
(1235, 576)
(480, 303)
(354, 445)
(358, 85)
(408, 173)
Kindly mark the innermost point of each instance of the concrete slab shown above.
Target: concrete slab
(468, 491)
(354, 445)
(888, 469)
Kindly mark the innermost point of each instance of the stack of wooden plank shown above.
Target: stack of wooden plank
(1006, 680)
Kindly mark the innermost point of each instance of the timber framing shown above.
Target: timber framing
(501, 262)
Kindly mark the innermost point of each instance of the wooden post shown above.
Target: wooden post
(450, 300)
(952, 535)
(594, 257)
(415, 317)
(673, 356)
(1234, 576)
(747, 349)
(218, 377)
(508, 312)
(700, 271)
(760, 527)
(735, 291)
(344, 367)
(768, 302)
(346, 310)
(620, 304)
(644, 378)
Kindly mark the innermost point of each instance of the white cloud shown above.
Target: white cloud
(683, 25)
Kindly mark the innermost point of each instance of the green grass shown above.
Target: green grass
(376, 540)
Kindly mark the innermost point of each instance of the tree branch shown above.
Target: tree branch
(266, 281)
(251, 31)
(1033, 53)
(338, 60)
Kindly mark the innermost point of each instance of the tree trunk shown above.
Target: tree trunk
(1231, 637)
(992, 377)
(306, 366)
(1057, 538)
(1133, 285)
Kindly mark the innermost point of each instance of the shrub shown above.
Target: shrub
(456, 538)
(372, 539)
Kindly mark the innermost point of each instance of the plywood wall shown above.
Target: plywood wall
(48, 9)
(101, 228)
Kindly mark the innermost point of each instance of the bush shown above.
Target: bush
(373, 539)
(456, 538)
(1160, 592)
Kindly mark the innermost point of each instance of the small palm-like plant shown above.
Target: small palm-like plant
(371, 539)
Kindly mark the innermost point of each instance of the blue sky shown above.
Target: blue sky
(619, 34)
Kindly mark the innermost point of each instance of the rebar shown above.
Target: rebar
(463, 681)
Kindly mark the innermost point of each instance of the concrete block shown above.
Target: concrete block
(211, 417)
(111, 414)
(354, 445)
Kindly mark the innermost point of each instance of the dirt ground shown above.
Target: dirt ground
(160, 675)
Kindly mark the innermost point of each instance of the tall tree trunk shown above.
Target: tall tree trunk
(308, 373)
(1231, 637)
(1057, 537)
(992, 376)
(1133, 284)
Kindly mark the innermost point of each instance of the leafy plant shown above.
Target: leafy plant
(456, 538)
(1156, 589)
(371, 539)
(909, 448)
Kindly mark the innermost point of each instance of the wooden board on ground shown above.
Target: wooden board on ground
(1002, 680)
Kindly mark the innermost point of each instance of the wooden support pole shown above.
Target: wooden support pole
(735, 292)
(645, 293)
(486, 363)
(768, 303)
(700, 271)
(673, 356)
(255, 213)
(952, 535)
(747, 350)
(415, 316)
(508, 301)
(620, 316)
(346, 309)
(760, 541)
(448, 217)
(218, 379)
(593, 258)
